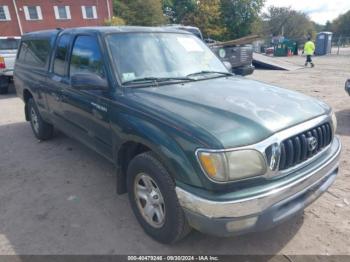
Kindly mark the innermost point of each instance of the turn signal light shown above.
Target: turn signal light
(208, 164)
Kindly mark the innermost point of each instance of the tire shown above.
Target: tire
(41, 129)
(4, 84)
(174, 225)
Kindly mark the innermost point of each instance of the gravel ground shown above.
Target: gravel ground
(58, 197)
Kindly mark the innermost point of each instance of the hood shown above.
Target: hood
(234, 110)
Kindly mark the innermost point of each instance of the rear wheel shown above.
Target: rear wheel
(4, 84)
(153, 199)
(41, 129)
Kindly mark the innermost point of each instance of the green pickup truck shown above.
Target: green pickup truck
(194, 146)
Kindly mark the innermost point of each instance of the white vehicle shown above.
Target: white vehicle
(8, 52)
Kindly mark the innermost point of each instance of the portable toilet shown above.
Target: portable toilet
(323, 43)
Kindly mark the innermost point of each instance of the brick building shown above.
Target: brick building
(21, 16)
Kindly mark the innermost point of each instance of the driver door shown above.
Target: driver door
(86, 109)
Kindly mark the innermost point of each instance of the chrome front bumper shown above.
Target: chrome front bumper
(315, 177)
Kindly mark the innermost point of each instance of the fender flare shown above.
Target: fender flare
(170, 153)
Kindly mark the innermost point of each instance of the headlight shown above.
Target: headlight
(334, 122)
(234, 165)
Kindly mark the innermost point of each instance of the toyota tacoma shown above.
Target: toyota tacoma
(194, 146)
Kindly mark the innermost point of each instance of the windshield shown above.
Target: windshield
(162, 55)
(8, 44)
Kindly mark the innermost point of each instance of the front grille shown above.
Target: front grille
(297, 149)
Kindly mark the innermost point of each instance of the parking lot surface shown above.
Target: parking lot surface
(58, 197)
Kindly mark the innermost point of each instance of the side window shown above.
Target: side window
(35, 52)
(59, 64)
(22, 51)
(86, 57)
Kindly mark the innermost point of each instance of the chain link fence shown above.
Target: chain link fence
(341, 45)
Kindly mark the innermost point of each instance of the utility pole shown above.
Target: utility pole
(108, 10)
(18, 18)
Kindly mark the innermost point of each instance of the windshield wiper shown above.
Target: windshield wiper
(206, 72)
(156, 80)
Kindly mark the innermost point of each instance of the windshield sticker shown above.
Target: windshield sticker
(129, 76)
(190, 44)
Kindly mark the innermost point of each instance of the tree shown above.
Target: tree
(209, 19)
(319, 27)
(120, 8)
(290, 23)
(259, 27)
(168, 10)
(205, 14)
(115, 21)
(181, 11)
(328, 27)
(239, 16)
(219, 19)
(140, 12)
(341, 25)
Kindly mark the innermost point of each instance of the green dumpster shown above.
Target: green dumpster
(281, 49)
(285, 48)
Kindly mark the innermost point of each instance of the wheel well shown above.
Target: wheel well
(26, 95)
(125, 154)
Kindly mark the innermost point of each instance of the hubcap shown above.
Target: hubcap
(149, 200)
(34, 120)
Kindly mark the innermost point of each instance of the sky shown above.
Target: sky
(319, 11)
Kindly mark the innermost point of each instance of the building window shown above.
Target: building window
(32, 13)
(4, 13)
(62, 12)
(89, 12)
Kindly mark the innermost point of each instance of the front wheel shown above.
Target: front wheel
(153, 199)
(41, 129)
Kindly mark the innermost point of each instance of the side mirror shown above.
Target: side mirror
(88, 81)
(228, 66)
(347, 86)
